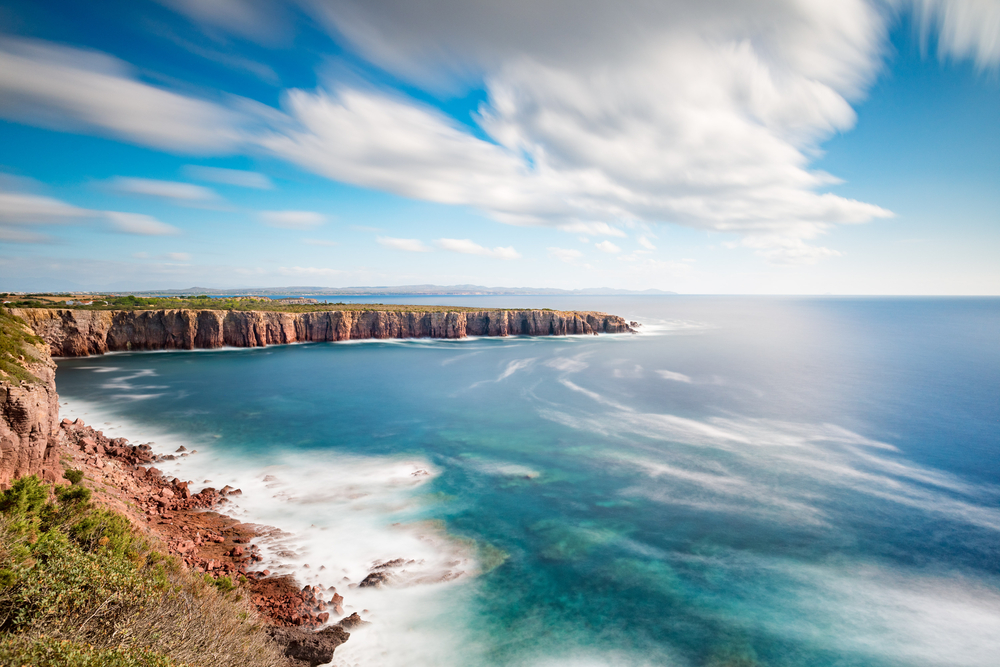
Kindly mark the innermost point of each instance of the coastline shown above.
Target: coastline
(80, 333)
(293, 579)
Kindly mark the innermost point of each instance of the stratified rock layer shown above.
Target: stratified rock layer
(78, 333)
(29, 420)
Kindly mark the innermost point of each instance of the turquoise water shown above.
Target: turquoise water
(749, 481)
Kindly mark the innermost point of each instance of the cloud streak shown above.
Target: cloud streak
(407, 245)
(78, 90)
(703, 114)
(180, 192)
(292, 219)
(468, 247)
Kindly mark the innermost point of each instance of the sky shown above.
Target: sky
(696, 146)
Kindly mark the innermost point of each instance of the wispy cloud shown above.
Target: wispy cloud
(292, 219)
(180, 192)
(676, 377)
(18, 208)
(409, 245)
(607, 246)
(139, 224)
(66, 88)
(468, 247)
(237, 177)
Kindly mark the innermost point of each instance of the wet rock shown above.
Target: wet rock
(398, 562)
(312, 648)
(351, 622)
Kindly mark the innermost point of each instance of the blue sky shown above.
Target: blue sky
(702, 147)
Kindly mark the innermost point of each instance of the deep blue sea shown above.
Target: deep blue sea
(748, 481)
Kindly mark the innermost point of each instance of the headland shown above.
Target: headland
(75, 332)
(296, 625)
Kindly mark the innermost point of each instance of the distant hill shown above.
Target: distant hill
(409, 290)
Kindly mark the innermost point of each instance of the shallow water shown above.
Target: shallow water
(769, 481)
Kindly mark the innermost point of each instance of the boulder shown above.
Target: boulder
(312, 648)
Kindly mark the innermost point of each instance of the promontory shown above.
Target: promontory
(80, 332)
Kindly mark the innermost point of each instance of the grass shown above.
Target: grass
(236, 303)
(20, 651)
(79, 586)
(17, 348)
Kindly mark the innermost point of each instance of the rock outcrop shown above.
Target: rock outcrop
(29, 415)
(77, 333)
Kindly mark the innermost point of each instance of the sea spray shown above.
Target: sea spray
(328, 519)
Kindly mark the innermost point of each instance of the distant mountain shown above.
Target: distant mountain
(410, 290)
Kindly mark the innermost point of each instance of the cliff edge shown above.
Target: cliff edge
(29, 405)
(77, 333)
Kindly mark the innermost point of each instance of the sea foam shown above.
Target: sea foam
(336, 517)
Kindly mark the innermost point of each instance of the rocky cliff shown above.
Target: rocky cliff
(29, 405)
(76, 333)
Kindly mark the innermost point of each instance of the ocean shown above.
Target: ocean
(747, 481)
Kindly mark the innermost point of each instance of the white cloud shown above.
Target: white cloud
(646, 243)
(592, 228)
(676, 377)
(966, 28)
(60, 87)
(238, 177)
(17, 208)
(179, 256)
(292, 219)
(565, 254)
(263, 21)
(467, 247)
(320, 242)
(140, 224)
(784, 250)
(703, 114)
(607, 246)
(182, 192)
(409, 245)
(21, 213)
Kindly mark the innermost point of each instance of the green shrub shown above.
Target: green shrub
(25, 497)
(74, 476)
(48, 652)
(73, 494)
(72, 571)
(17, 343)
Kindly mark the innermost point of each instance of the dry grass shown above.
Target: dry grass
(70, 571)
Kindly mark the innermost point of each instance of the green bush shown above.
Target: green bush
(74, 476)
(16, 348)
(48, 652)
(72, 571)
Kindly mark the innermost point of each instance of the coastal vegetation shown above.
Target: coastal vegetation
(17, 349)
(79, 586)
(204, 302)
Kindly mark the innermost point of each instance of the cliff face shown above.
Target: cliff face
(76, 333)
(29, 418)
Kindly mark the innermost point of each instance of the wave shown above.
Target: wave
(338, 516)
